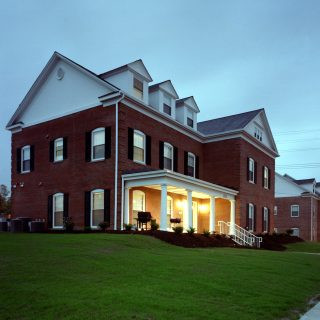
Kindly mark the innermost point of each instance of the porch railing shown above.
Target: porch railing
(239, 235)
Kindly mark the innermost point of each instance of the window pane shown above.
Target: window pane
(190, 122)
(98, 152)
(167, 109)
(26, 153)
(98, 138)
(58, 150)
(190, 160)
(138, 200)
(190, 171)
(138, 154)
(167, 163)
(26, 165)
(98, 200)
(97, 217)
(58, 219)
(58, 206)
(138, 140)
(167, 152)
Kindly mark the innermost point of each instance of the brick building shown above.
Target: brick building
(103, 147)
(297, 207)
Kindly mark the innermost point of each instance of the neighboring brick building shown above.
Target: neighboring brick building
(103, 147)
(297, 207)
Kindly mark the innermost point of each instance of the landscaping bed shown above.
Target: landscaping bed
(277, 241)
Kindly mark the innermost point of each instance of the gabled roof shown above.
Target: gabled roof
(136, 66)
(166, 86)
(190, 102)
(43, 75)
(305, 181)
(229, 123)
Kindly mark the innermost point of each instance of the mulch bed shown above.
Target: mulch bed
(277, 241)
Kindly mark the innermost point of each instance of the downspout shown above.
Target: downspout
(116, 162)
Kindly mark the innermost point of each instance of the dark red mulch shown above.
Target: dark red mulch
(277, 241)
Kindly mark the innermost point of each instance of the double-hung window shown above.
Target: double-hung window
(138, 88)
(58, 149)
(98, 144)
(97, 208)
(191, 164)
(25, 159)
(251, 217)
(139, 147)
(189, 118)
(251, 169)
(57, 219)
(295, 210)
(266, 177)
(275, 210)
(167, 156)
(265, 219)
(167, 104)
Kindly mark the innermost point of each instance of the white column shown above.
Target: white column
(126, 206)
(232, 215)
(189, 208)
(212, 223)
(163, 212)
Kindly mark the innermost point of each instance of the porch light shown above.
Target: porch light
(203, 208)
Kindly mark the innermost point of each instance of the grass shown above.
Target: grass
(310, 247)
(111, 276)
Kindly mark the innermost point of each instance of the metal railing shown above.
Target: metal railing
(239, 235)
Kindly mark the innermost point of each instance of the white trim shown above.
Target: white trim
(169, 145)
(91, 205)
(54, 149)
(138, 132)
(22, 159)
(295, 205)
(194, 163)
(59, 194)
(100, 129)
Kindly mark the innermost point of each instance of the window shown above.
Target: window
(97, 208)
(275, 230)
(258, 133)
(139, 200)
(139, 147)
(167, 104)
(251, 170)
(295, 210)
(275, 210)
(98, 144)
(191, 164)
(265, 219)
(295, 232)
(190, 118)
(138, 88)
(57, 219)
(58, 149)
(25, 159)
(251, 217)
(266, 177)
(167, 156)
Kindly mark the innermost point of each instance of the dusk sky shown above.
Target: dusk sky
(232, 56)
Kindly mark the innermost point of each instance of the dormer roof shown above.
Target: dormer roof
(189, 102)
(166, 86)
(137, 67)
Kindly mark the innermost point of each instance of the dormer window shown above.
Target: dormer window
(167, 105)
(258, 133)
(190, 118)
(138, 88)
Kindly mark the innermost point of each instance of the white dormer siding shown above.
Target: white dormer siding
(186, 112)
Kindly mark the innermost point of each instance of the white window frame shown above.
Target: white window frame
(139, 192)
(92, 144)
(266, 177)
(194, 162)
(59, 194)
(166, 144)
(275, 210)
(251, 210)
(251, 161)
(265, 218)
(291, 207)
(138, 132)
(91, 206)
(55, 148)
(22, 151)
(298, 233)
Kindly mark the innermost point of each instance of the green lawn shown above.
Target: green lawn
(110, 276)
(311, 247)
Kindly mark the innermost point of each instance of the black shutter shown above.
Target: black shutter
(148, 151)
(19, 160)
(269, 178)
(175, 159)
(185, 162)
(31, 158)
(50, 211)
(254, 218)
(263, 175)
(161, 146)
(247, 217)
(87, 208)
(107, 145)
(107, 206)
(248, 169)
(130, 143)
(88, 146)
(197, 167)
(65, 148)
(65, 205)
(262, 229)
(255, 172)
(51, 151)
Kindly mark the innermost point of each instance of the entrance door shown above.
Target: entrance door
(195, 214)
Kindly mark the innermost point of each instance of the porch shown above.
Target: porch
(170, 197)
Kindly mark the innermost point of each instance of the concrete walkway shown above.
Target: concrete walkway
(312, 314)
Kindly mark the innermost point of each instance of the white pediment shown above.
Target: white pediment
(169, 88)
(139, 67)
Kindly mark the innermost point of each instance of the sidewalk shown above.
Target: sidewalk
(312, 314)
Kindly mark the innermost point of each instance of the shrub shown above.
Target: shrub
(68, 224)
(103, 225)
(191, 231)
(289, 232)
(87, 229)
(154, 225)
(206, 233)
(177, 230)
(128, 227)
